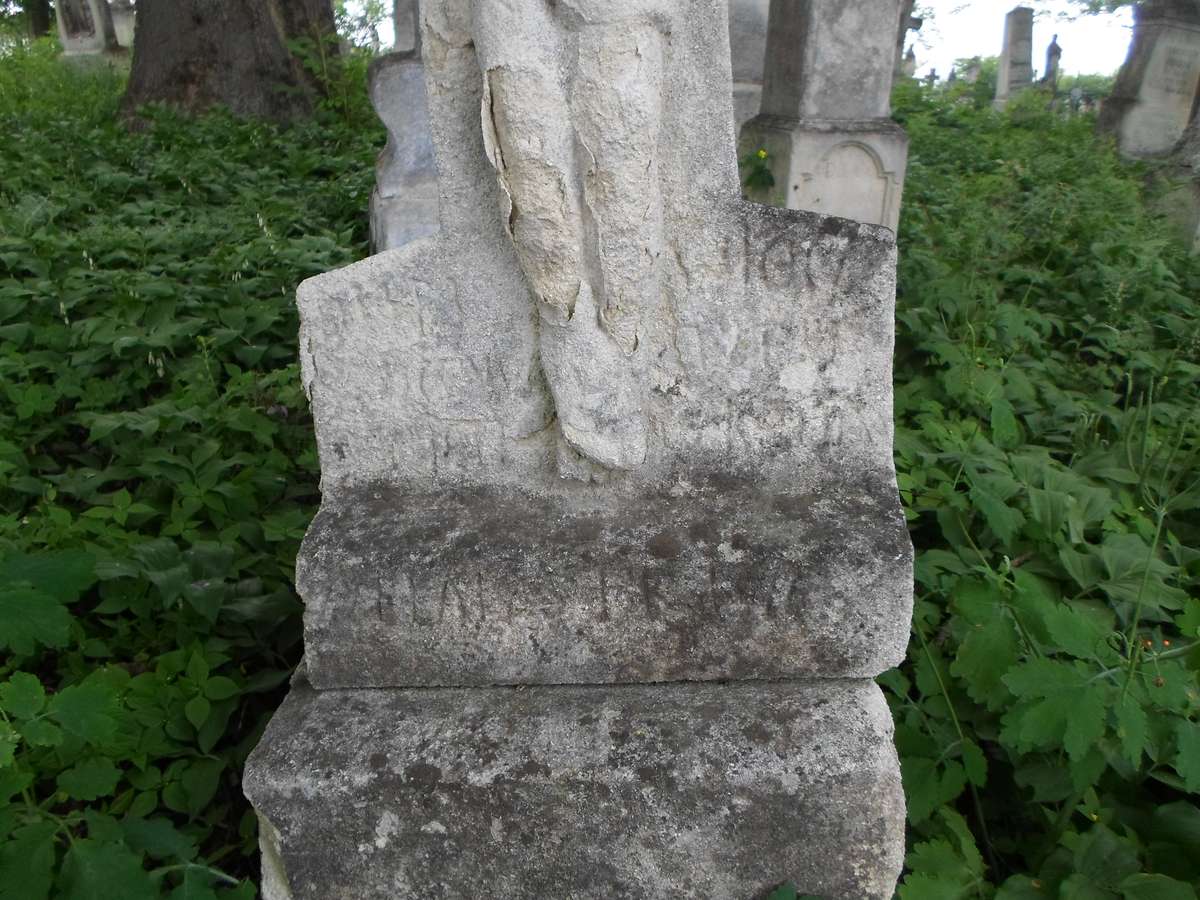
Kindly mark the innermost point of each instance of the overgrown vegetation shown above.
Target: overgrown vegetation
(157, 471)
(1048, 432)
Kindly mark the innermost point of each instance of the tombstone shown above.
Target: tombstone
(85, 28)
(1053, 64)
(973, 70)
(404, 203)
(123, 19)
(748, 47)
(908, 22)
(1155, 92)
(610, 547)
(405, 26)
(1016, 58)
(826, 112)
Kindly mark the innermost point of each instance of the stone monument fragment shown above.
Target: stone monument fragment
(748, 47)
(825, 120)
(123, 18)
(610, 545)
(1016, 57)
(404, 204)
(85, 27)
(908, 22)
(1155, 94)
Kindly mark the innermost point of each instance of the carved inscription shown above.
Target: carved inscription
(426, 596)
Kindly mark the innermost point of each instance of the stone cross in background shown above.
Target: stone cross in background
(1016, 57)
(825, 120)
(1156, 90)
(610, 547)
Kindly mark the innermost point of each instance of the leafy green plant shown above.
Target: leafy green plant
(1048, 717)
(156, 471)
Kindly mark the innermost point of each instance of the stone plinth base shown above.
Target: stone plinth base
(848, 168)
(684, 790)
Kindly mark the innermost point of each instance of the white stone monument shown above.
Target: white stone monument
(825, 121)
(1016, 57)
(610, 547)
(1155, 93)
(85, 27)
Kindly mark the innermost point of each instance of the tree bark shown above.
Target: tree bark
(37, 13)
(196, 54)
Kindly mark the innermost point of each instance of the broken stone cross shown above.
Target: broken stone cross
(610, 546)
(825, 121)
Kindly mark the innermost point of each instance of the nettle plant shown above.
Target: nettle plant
(1048, 717)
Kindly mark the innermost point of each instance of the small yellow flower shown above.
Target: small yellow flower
(762, 154)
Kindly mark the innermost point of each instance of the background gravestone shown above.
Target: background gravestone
(594, 599)
(825, 120)
(1156, 90)
(748, 47)
(85, 27)
(1016, 57)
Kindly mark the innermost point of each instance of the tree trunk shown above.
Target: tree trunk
(38, 14)
(195, 54)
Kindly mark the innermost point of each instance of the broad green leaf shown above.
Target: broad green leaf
(220, 688)
(987, 653)
(22, 695)
(29, 618)
(1155, 887)
(90, 779)
(918, 886)
(64, 574)
(88, 711)
(1187, 763)
(41, 733)
(96, 870)
(8, 744)
(27, 862)
(1006, 433)
(197, 710)
(1131, 727)
(1004, 520)
(1105, 858)
(159, 838)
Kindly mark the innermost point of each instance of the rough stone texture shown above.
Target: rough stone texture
(85, 27)
(1155, 93)
(698, 791)
(1016, 57)
(608, 424)
(406, 26)
(714, 579)
(748, 47)
(404, 204)
(825, 118)
(123, 19)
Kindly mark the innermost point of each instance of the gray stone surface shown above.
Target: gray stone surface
(1155, 93)
(609, 424)
(85, 27)
(716, 581)
(748, 47)
(691, 791)
(1016, 56)
(404, 204)
(825, 118)
(123, 19)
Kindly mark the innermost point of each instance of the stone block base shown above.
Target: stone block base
(848, 168)
(674, 790)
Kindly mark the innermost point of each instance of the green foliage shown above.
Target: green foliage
(157, 471)
(1048, 716)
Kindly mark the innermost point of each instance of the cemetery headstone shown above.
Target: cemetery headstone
(1155, 93)
(610, 546)
(85, 28)
(748, 47)
(404, 203)
(123, 19)
(825, 121)
(1016, 57)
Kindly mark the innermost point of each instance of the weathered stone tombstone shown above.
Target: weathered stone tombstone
(610, 545)
(748, 47)
(124, 19)
(404, 203)
(826, 120)
(1156, 90)
(1016, 57)
(85, 28)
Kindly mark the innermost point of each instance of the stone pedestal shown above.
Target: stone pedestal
(1155, 93)
(591, 793)
(85, 28)
(1016, 57)
(826, 112)
(597, 587)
